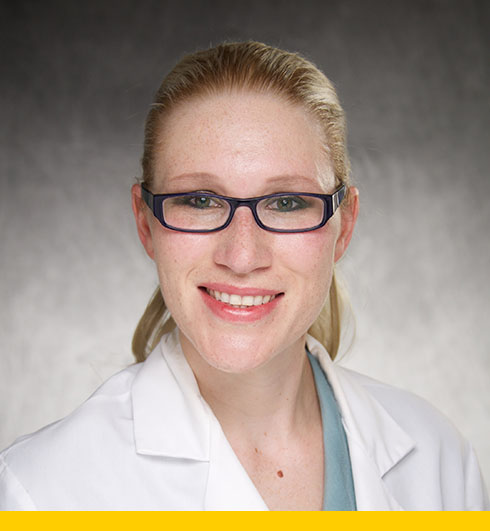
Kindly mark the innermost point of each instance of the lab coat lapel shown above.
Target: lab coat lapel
(376, 441)
(229, 486)
(371, 491)
(170, 416)
(171, 419)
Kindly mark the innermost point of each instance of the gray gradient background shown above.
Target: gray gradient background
(76, 82)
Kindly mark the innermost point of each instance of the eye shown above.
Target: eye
(287, 203)
(201, 202)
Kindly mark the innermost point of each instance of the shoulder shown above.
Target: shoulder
(112, 397)
(376, 407)
(420, 419)
(60, 446)
(441, 464)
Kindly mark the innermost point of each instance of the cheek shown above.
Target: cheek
(310, 261)
(176, 255)
(310, 254)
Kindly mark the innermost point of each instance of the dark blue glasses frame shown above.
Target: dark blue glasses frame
(330, 201)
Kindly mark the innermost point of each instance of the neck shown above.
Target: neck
(267, 405)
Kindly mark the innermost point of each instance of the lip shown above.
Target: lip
(240, 315)
(239, 290)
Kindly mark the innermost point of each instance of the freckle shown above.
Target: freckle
(256, 451)
(280, 474)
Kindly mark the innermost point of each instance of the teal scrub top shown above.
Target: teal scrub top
(338, 491)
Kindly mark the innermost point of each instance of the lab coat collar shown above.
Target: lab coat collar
(180, 427)
(377, 443)
(183, 427)
(186, 428)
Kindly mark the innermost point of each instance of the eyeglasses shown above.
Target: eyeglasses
(205, 212)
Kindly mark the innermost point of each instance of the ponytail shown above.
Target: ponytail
(327, 328)
(154, 323)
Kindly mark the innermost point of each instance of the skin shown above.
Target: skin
(254, 375)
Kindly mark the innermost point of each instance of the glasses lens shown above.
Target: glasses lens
(291, 212)
(195, 212)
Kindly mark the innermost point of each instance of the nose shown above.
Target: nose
(243, 247)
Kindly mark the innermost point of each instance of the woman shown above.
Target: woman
(245, 206)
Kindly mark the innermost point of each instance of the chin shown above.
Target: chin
(235, 362)
(234, 353)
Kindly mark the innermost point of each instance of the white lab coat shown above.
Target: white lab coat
(146, 439)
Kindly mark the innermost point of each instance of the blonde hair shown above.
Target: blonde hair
(258, 67)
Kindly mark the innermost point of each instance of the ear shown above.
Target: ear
(349, 214)
(140, 211)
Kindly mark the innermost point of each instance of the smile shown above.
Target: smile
(240, 301)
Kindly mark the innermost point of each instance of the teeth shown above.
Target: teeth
(235, 300)
(225, 297)
(238, 301)
(248, 300)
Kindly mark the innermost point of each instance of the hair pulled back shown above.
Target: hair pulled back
(261, 68)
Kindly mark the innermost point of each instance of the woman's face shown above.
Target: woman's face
(242, 145)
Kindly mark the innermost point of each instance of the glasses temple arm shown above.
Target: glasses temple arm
(337, 198)
(147, 196)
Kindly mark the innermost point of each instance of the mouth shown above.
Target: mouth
(247, 306)
(240, 301)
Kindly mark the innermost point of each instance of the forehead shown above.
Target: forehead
(244, 140)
